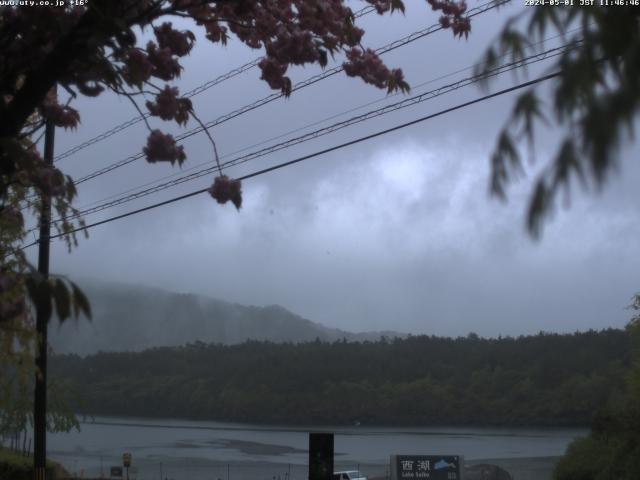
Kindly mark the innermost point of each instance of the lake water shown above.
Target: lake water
(195, 450)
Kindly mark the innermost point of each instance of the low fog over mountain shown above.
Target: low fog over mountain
(133, 317)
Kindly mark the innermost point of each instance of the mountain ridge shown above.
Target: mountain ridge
(129, 317)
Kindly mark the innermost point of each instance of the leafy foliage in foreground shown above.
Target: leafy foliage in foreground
(547, 379)
(612, 450)
(14, 466)
(594, 101)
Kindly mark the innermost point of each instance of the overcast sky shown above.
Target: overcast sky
(395, 233)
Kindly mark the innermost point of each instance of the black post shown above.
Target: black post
(320, 456)
(40, 400)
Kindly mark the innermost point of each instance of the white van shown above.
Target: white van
(349, 475)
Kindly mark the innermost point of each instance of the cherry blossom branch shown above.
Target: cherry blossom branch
(132, 100)
(206, 131)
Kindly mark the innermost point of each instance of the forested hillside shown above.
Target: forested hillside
(546, 379)
(136, 317)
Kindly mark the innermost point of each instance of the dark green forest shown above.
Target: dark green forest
(546, 379)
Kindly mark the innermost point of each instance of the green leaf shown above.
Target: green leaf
(514, 42)
(488, 63)
(538, 207)
(80, 302)
(567, 163)
(527, 109)
(62, 298)
(505, 164)
(541, 18)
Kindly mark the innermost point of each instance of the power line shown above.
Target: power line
(318, 153)
(305, 83)
(140, 118)
(191, 93)
(384, 49)
(540, 56)
(524, 62)
(404, 103)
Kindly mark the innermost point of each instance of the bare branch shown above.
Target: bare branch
(206, 131)
(132, 100)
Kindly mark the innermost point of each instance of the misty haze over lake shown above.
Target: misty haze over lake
(133, 317)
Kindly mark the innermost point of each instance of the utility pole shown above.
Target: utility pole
(40, 395)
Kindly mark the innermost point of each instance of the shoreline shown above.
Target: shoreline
(214, 451)
(185, 422)
(434, 430)
(178, 468)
